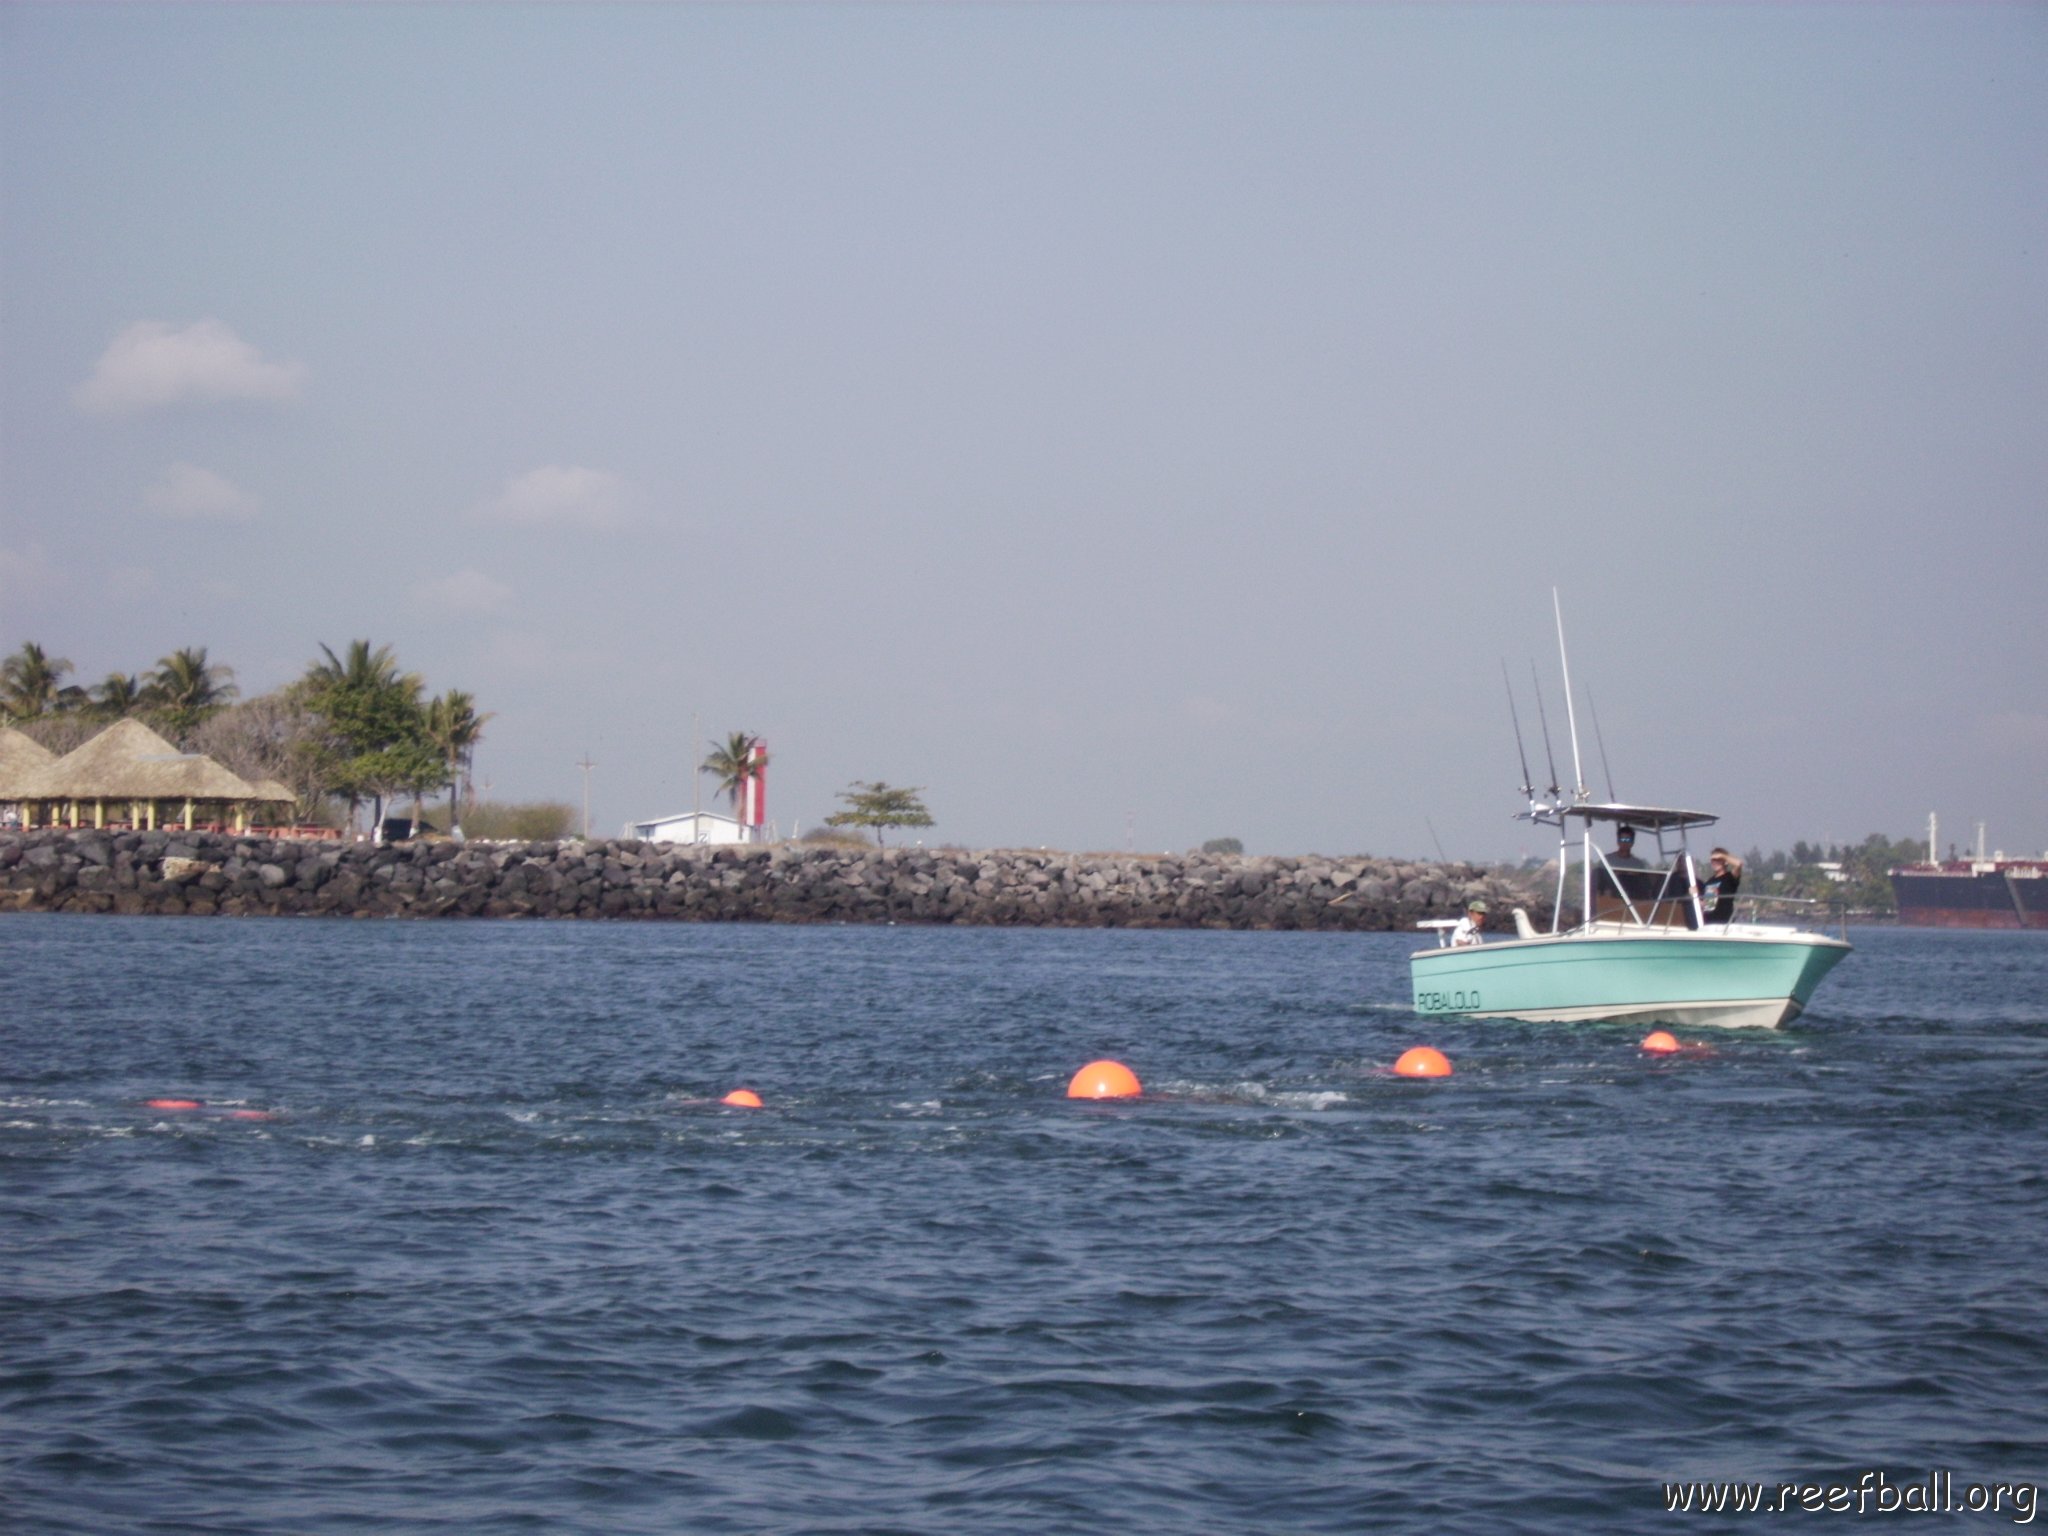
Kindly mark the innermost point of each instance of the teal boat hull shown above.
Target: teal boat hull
(1737, 977)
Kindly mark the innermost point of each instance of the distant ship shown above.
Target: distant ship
(1980, 892)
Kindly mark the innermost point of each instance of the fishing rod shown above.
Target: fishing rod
(1570, 715)
(1544, 715)
(1520, 751)
(1594, 709)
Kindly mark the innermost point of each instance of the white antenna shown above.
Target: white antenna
(1571, 718)
(1933, 857)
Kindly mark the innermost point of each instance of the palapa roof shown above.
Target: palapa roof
(274, 790)
(21, 756)
(129, 761)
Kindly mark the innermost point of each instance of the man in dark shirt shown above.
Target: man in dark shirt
(1717, 893)
(1624, 855)
(1611, 882)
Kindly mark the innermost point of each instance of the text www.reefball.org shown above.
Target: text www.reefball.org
(1871, 1494)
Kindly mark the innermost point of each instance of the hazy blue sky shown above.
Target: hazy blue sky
(1129, 422)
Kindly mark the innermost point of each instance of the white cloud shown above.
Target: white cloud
(153, 364)
(468, 592)
(186, 490)
(561, 496)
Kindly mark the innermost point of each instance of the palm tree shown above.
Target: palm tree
(187, 688)
(360, 668)
(121, 694)
(734, 763)
(365, 696)
(31, 683)
(454, 728)
(375, 709)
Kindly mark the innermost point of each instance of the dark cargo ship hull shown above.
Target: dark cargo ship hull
(2030, 895)
(1966, 899)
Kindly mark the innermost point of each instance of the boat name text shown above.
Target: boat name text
(1460, 1001)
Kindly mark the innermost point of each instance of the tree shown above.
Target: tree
(376, 712)
(186, 689)
(878, 805)
(1223, 845)
(61, 731)
(121, 694)
(454, 728)
(278, 735)
(32, 684)
(734, 763)
(411, 766)
(362, 691)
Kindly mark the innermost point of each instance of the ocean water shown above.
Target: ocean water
(497, 1260)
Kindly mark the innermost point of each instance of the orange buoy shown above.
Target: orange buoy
(249, 1114)
(1423, 1061)
(742, 1098)
(1660, 1042)
(170, 1104)
(1105, 1080)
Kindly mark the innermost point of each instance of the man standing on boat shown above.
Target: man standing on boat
(1717, 894)
(1624, 855)
(1609, 883)
(1467, 931)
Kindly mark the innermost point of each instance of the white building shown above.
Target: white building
(693, 827)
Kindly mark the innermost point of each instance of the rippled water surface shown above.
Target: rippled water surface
(497, 1260)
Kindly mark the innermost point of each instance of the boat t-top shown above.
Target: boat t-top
(1629, 938)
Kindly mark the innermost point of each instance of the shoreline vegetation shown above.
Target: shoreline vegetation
(222, 874)
(353, 730)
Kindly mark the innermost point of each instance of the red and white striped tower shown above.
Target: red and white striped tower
(754, 789)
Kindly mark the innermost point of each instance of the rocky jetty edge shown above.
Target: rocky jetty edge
(209, 874)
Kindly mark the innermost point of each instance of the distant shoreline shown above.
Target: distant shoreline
(219, 874)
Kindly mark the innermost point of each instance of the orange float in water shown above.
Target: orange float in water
(170, 1104)
(1104, 1080)
(1660, 1042)
(1423, 1061)
(742, 1098)
(249, 1114)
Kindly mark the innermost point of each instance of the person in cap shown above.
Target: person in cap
(1469, 926)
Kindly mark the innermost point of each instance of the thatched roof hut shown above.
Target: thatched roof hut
(274, 792)
(21, 757)
(130, 762)
(277, 797)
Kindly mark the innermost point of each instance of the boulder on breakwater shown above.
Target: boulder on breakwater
(208, 874)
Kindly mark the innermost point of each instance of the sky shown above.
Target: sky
(1130, 424)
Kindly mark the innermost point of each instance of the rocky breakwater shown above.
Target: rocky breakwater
(207, 875)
